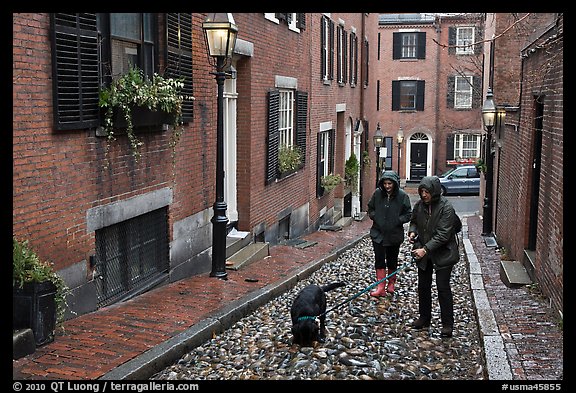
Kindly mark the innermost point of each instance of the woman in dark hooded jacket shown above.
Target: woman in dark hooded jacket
(389, 208)
(432, 230)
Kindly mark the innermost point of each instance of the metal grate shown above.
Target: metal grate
(131, 255)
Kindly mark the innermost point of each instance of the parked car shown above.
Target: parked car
(463, 179)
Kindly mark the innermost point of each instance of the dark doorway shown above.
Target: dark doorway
(418, 158)
(535, 177)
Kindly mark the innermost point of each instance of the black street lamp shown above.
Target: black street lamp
(399, 139)
(378, 142)
(220, 33)
(488, 118)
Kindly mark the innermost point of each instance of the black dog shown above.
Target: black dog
(309, 305)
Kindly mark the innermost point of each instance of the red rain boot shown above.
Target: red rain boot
(381, 289)
(391, 282)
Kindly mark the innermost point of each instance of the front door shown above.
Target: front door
(418, 159)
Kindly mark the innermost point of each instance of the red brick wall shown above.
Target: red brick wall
(542, 75)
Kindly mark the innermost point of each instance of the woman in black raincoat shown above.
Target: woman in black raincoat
(432, 229)
(389, 208)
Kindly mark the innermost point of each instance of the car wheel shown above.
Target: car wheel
(443, 189)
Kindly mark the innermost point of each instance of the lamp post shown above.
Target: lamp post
(399, 139)
(488, 118)
(220, 33)
(378, 142)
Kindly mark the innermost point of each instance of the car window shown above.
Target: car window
(460, 172)
(473, 172)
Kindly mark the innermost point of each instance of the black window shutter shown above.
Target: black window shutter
(301, 119)
(345, 57)
(478, 33)
(451, 40)
(476, 92)
(421, 41)
(450, 147)
(75, 77)
(319, 173)
(420, 95)
(450, 92)
(395, 95)
(179, 55)
(331, 44)
(301, 21)
(396, 46)
(273, 136)
(324, 43)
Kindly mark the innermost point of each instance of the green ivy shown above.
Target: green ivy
(134, 89)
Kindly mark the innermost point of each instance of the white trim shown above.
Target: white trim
(341, 107)
(325, 126)
(285, 82)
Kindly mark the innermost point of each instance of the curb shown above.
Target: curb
(495, 355)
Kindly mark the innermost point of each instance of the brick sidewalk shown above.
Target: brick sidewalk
(532, 338)
(95, 343)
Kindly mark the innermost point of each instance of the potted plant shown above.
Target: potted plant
(330, 181)
(480, 165)
(134, 100)
(39, 294)
(351, 172)
(289, 159)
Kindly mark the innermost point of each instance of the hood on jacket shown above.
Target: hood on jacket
(390, 175)
(432, 185)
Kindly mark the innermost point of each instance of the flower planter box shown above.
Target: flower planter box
(34, 307)
(143, 118)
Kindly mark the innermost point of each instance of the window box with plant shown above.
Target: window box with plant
(39, 294)
(133, 101)
(331, 181)
(289, 159)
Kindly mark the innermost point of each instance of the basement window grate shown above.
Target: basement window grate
(131, 256)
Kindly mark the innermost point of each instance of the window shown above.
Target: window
(287, 119)
(467, 145)
(408, 95)
(463, 92)
(88, 50)
(295, 21)
(409, 45)
(388, 148)
(342, 53)
(464, 40)
(325, 158)
(353, 59)
(327, 42)
(131, 256)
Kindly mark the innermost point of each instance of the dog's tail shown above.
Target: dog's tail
(332, 286)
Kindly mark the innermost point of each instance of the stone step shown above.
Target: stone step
(513, 274)
(236, 240)
(23, 343)
(248, 254)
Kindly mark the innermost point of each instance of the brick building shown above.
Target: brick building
(430, 85)
(114, 226)
(526, 51)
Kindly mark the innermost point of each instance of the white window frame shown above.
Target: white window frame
(326, 48)
(464, 43)
(286, 118)
(467, 145)
(340, 54)
(353, 61)
(409, 45)
(324, 152)
(463, 92)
